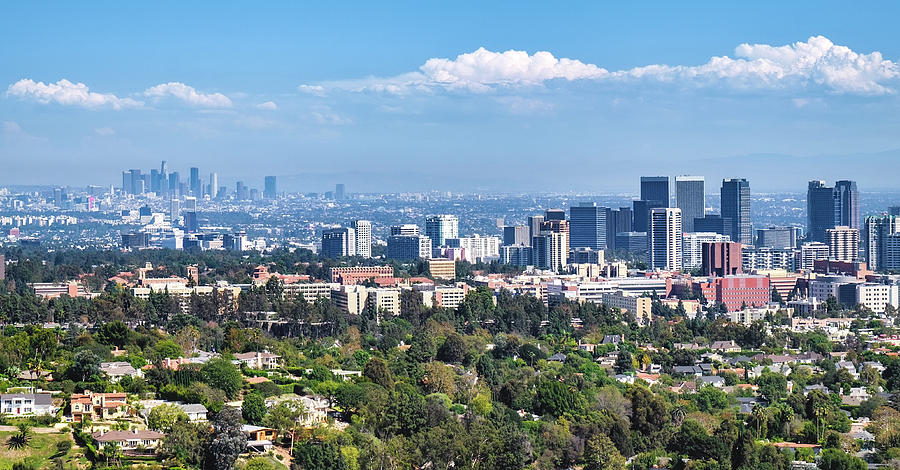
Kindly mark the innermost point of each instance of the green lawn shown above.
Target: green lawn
(41, 451)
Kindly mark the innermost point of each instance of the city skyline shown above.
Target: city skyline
(630, 92)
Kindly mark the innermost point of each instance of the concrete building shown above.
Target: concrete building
(846, 204)
(477, 248)
(640, 307)
(692, 247)
(843, 243)
(442, 268)
(819, 210)
(354, 274)
(876, 297)
(812, 252)
(721, 259)
(755, 259)
(882, 236)
(384, 300)
(350, 298)
(690, 197)
(664, 239)
(363, 230)
(549, 250)
(632, 242)
(736, 292)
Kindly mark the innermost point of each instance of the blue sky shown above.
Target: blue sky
(411, 96)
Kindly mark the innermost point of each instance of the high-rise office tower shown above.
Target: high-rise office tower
(196, 188)
(154, 181)
(882, 235)
(556, 225)
(735, 198)
(820, 210)
(137, 182)
(641, 213)
(174, 210)
(126, 182)
(549, 250)
(655, 188)
(664, 239)
(617, 221)
(894, 210)
(164, 168)
(191, 224)
(407, 247)
(534, 226)
(270, 191)
(846, 204)
(338, 242)
(692, 247)
(690, 198)
(405, 229)
(516, 235)
(213, 185)
(363, 238)
(843, 243)
(339, 192)
(441, 227)
(721, 259)
(587, 226)
(175, 184)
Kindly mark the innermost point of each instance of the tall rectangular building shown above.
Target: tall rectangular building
(195, 188)
(363, 238)
(777, 237)
(549, 250)
(721, 259)
(690, 198)
(655, 188)
(339, 192)
(735, 197)
(692, 247)
(441, 227)
(882, 235)
(213, 185)
(405, 229)
(843, 243)
(408, 247)
(534, 226)
(587, 226)
(270, 191)
(516, 235)
(664, 239)
(641, 213)
(846, 204)
(820, 211)
(338, 242)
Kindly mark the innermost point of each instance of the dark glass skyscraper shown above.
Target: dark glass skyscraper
(689, 197)
(846, 204)
(820, 211)
(587, 226)
(270, 191)
(735, 198)
(655, 188)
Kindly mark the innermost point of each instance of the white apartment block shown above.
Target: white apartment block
(693, 245)
(876, 297)
(843, 243)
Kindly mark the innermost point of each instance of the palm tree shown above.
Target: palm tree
(21, 439)
(111, 451)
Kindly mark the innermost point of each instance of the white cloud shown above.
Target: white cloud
(268, 106)
(325, 115)
(67, 93)
(818, 62)
(105, 131)
(189, 95)
(11, 127)
(317, 90)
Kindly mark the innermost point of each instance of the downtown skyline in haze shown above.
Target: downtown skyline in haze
(498, 97)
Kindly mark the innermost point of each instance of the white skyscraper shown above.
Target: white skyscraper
(692, 254)
(843, 243)
(664, 238)
(213, 185)
(363, 238)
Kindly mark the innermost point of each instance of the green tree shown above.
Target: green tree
(21, 438)
(772, 386)
(163, 417)
(185, 442)
(601, 454)
(254, 408)
(222, 374)
(284, 417)
(316, 455)
(453, 350)
(227, 441)
(377, 371)
(835, 459)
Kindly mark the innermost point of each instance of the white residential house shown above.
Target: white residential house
(258, 360)
(116, 370)
(26, 404)
(129, 440)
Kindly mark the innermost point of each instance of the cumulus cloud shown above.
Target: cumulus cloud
(268, 106)
(817, 62)
(67, 93)
(188, 95)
